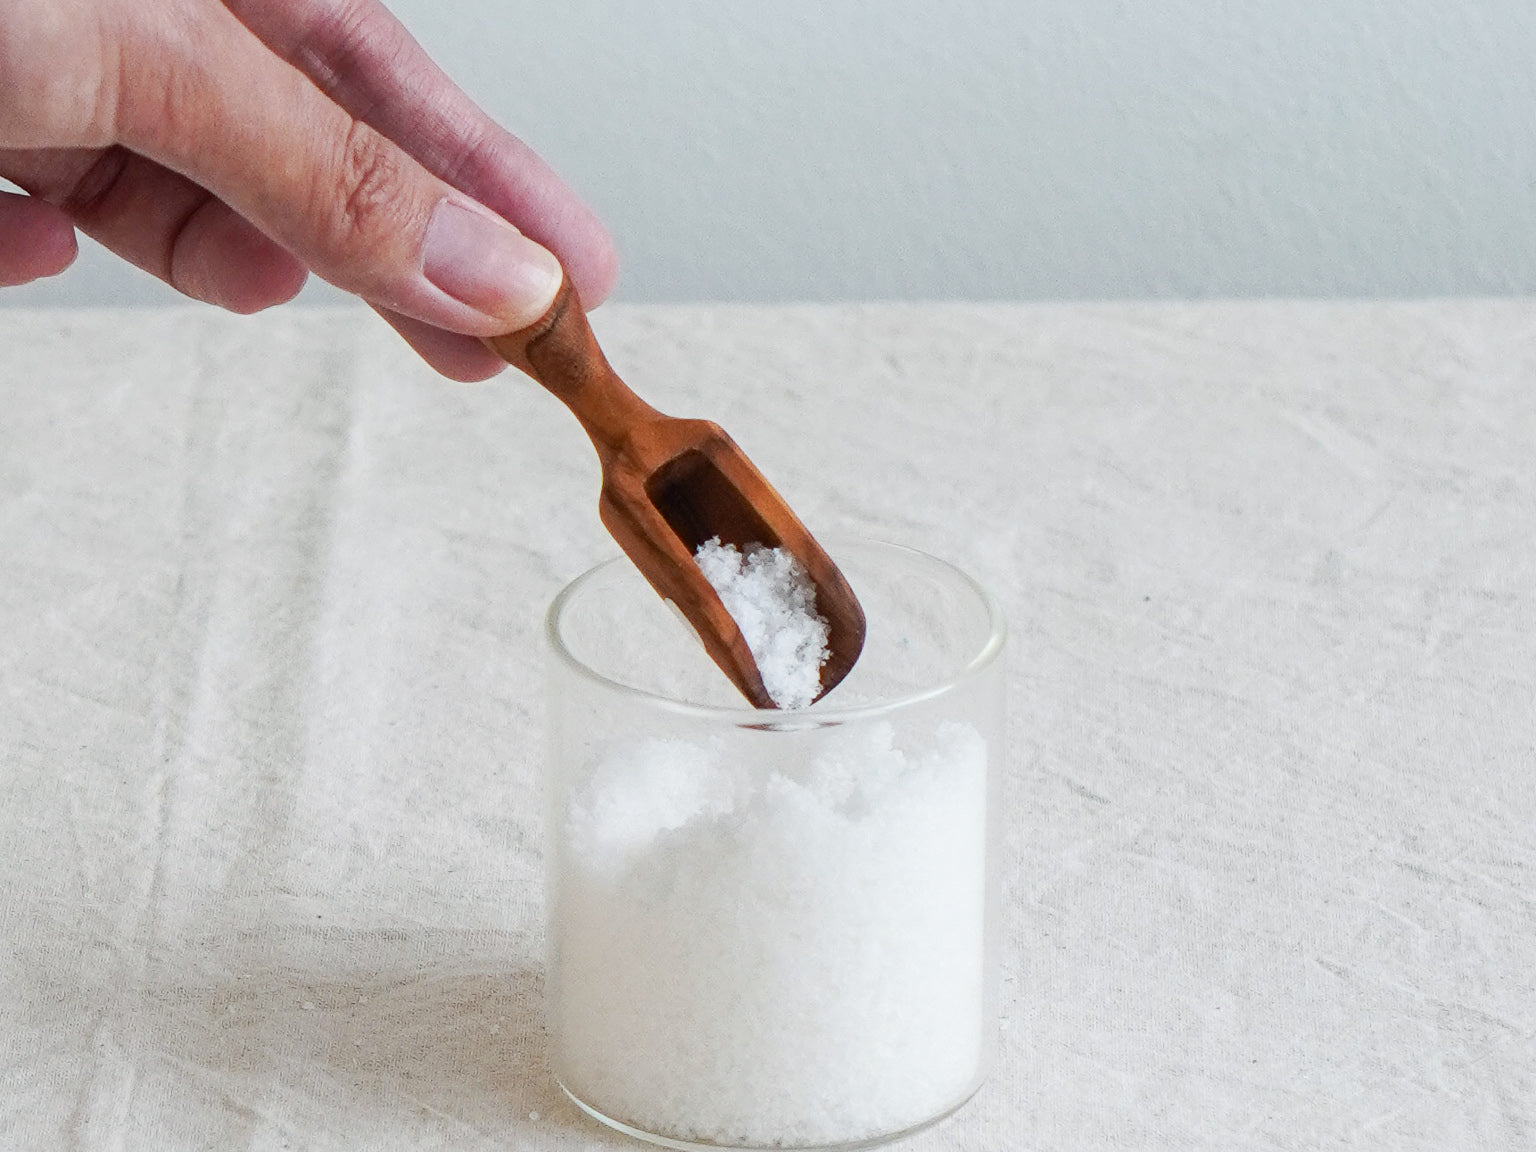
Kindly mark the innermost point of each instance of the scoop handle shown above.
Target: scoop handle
(560, 351)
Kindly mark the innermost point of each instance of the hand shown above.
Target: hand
(228, 148)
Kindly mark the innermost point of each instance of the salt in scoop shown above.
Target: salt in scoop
(671, 485)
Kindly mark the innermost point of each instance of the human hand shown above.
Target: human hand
(228, 148)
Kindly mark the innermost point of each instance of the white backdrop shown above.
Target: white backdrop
(990, 149)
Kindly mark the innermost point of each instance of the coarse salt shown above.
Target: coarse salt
(771, 598)
(770, 950)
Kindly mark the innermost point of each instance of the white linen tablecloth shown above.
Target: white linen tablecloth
(271, 728)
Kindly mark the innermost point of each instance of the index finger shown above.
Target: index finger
(225, 112)
(363, 58)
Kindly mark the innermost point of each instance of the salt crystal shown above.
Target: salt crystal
(771, 598)
(777, 951)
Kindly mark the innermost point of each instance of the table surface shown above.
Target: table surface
(271, 726)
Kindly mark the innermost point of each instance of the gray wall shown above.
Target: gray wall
(796, 150)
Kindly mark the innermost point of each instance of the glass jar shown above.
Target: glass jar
(774, 929)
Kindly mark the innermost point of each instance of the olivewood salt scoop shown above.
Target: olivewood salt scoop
(669, 485)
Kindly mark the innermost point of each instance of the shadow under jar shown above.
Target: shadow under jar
(775, 929)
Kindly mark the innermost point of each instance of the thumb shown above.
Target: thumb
(345, 200)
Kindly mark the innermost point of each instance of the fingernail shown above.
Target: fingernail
(489, 265)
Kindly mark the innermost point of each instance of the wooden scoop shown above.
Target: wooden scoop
(669, 485)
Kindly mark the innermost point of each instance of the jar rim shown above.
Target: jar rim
(818, 715)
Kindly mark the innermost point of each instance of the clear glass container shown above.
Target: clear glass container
(775, 929)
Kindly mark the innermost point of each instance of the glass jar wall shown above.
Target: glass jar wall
(774, 929)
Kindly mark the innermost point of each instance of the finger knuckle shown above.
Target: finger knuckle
(336, 40)
(371, 201)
